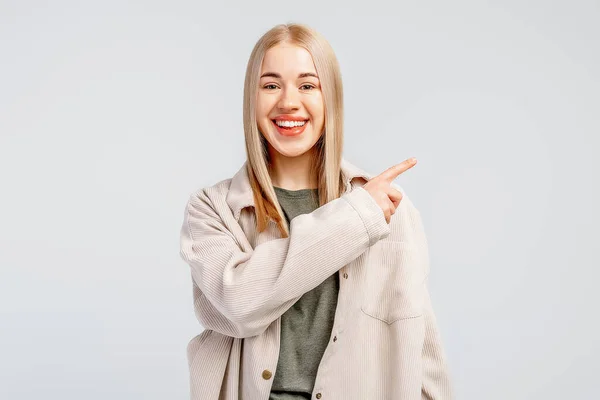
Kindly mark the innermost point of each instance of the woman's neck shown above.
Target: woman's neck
(292, 173)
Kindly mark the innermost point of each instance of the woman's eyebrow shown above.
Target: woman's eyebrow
(278, 76)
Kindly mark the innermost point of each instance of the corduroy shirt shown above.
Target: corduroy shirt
(385, 343)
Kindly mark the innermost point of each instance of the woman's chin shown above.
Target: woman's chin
(290, 151)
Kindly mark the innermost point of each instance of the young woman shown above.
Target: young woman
(309, 274)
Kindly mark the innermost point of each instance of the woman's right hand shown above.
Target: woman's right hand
(379, 187)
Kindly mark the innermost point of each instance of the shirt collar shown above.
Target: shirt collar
(240, 193)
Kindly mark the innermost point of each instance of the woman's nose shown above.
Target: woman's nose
(288, 100)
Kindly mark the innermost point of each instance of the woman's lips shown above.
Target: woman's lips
(295, 131)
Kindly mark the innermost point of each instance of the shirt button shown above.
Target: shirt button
(345, 275)
(267, 374)
(318, 395)
(335, 338)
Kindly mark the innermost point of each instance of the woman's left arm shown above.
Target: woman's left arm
(436, 377)
(436, 380)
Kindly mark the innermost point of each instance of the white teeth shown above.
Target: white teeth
(290, 124)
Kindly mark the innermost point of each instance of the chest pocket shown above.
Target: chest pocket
(393, 282)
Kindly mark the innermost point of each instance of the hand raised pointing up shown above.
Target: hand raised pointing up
(380, 188)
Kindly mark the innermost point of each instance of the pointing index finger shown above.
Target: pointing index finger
(392, 173)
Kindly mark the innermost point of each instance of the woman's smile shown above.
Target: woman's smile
(290, 128)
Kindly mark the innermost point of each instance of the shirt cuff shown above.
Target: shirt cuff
(371, 214)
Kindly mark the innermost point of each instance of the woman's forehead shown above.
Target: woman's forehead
(288, 60)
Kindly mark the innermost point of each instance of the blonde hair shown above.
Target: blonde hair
(328, 149)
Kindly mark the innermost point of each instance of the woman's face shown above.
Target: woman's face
(289, 94)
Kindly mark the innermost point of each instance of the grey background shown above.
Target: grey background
(112, 113)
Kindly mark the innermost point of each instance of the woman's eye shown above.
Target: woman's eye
(303, 87)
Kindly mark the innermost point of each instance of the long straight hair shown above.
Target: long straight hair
(327, 150)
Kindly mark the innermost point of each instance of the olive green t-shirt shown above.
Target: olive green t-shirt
(306, 326)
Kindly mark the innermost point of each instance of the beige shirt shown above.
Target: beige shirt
(384, 344)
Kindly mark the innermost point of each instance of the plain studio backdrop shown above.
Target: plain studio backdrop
(112, 113)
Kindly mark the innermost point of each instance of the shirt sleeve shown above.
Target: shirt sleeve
(436, 378)
(242, 292)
